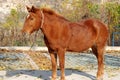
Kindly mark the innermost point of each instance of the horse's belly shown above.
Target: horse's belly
(77, 48)
(80, 44)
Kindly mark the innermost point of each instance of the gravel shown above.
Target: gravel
(80, 66)
(16, 61)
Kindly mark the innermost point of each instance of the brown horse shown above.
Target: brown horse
(61, 35)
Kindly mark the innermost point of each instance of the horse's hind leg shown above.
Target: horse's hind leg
(98, 51)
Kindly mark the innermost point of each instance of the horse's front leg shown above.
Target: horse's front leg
(54, 65)
(61, 55)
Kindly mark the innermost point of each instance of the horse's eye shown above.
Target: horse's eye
(31, 18)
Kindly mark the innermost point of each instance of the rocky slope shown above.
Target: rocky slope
(7, 5)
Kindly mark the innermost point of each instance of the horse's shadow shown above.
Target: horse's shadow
(46, 75)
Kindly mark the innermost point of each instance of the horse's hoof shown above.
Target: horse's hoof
(62, 79)
(53, 79)
(100, 78)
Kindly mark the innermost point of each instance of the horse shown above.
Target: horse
(61, 35)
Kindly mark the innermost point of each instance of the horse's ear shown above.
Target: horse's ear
(34, 9)
(28, 9)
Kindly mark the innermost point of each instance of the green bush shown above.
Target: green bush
(73, 10)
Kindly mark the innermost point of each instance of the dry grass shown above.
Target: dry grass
(38, 57)
(41, 60)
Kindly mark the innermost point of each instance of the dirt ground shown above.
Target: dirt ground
(85, 72)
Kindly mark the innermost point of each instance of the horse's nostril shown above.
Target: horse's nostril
(22, 31)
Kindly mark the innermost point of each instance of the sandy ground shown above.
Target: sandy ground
(45, 75)
(88, 72)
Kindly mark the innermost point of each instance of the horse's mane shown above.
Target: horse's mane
(52, 12)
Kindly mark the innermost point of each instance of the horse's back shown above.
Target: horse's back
(87, 33)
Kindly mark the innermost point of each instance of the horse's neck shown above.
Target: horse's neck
(52, 28)
(46, 26)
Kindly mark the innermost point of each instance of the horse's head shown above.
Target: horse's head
(33, 20)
